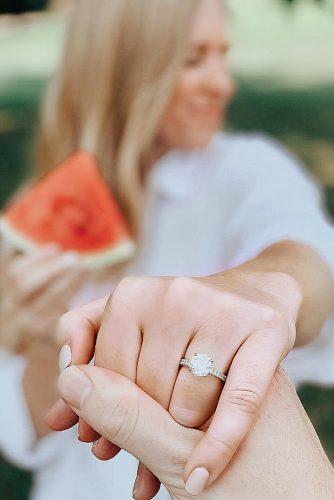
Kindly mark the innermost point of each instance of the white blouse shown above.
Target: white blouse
(206, 211)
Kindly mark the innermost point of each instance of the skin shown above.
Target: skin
(265, 467)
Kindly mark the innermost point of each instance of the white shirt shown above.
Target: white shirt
(206, 211)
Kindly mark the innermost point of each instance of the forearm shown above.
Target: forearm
(39, 382)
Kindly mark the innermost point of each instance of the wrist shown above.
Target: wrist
(280, 286)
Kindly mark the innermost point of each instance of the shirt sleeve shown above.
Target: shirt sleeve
(18, 441)
(273, 198)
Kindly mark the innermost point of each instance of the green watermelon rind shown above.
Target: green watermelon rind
(94, 260)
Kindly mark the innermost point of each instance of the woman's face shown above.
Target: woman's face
(198, 106)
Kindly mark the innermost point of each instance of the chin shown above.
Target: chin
(201, 141)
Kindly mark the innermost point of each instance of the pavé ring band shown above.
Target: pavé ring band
(201, 365)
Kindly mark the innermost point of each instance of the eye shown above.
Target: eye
(192, 61)
(224, 50)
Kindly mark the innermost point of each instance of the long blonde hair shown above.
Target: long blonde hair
(119, 68)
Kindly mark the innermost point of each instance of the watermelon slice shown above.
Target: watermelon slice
(73, 207)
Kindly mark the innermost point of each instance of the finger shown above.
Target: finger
(147, 484)
(26, 260)
(61, 416)
(77, 331)
(125, 415)
(195, 398)
(162, 348)
(119, 340)
(33, 280)
(104, 449)
(86, 434)
(59, 293)
(164, 341)
(117, 348)
(14, 266)
(248, 380)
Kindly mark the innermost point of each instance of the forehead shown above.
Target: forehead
(209, 23)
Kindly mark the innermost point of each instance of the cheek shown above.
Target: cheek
(184, 93)
(178, 127)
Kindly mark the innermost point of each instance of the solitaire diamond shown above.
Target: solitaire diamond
(201, 365)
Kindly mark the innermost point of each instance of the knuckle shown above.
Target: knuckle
(180, 289)
(185, 417)
(124, 297)
(127, 282)
(121, 419)
(247, 399)
(271, 317)
(65, 320)
(278, 327)
(215, 441)
(64, 325)
(127, 288)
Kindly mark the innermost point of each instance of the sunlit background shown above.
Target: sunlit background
(282, 58)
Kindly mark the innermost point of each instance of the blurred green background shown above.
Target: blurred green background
(282, 58)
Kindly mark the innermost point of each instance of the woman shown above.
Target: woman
(147, 97)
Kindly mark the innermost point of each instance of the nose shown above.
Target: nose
(218, 80)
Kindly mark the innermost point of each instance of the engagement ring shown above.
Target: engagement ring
(201, 365)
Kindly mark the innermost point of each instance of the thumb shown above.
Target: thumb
(124, 414)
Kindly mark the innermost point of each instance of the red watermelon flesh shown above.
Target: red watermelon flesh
(73, 207)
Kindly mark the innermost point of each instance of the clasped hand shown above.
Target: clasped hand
(148, 324)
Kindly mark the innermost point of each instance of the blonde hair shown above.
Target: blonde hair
(119, 68)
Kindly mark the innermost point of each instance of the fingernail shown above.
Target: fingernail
(94, 445)
(74, 386)
(136, 487)
(65, 357)
(197, 480)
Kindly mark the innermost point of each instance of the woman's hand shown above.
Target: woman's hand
(280, 458)
(244, 321)
(36, 289)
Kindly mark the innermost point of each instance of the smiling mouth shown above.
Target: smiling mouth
(210, 113)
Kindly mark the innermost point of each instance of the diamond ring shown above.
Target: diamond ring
(201, 365)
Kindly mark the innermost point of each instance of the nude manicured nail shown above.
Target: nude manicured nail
(65, 357)
(74, 386)
(136, 488)
(197, 481)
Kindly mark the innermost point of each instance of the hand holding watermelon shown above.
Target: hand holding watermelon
(36, 289)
